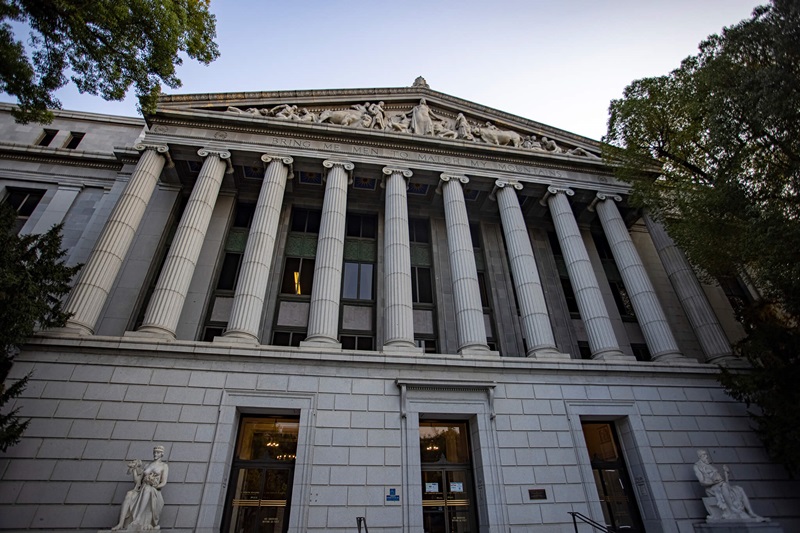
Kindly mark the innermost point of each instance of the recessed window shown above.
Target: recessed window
(421, 286)
(357, 342)
(641, 352)
(74, 140)
(47, 137)
(298, 276)
(427, 345)
(23, 202)
(244, 215)
(288, 338)
(229, 272)
(361, 226)
(419, 231)
(358, 281)
(306, 220)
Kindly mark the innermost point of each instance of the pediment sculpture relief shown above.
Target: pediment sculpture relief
(419, 120)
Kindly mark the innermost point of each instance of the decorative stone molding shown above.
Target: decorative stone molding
(285, 159)
(552, 190)
(499, 184)
(444, 385)
(601, 197)
(407, 173)
(162, 149)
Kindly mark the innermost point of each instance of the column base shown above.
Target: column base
(319, 342)
(612, 355)
(237, 337)
(670, 357)
(151, 333)
(726, 360)
(546, 353)
(476, 349)
(71, 329)
(402, 347)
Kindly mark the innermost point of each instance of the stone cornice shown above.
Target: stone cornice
(63, 156)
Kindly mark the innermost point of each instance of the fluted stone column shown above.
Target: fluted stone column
(535, 319)
(248, 301)
(649, 314)
(90, 293)
(466, 291)
(695, 304)
(166, 304)
(602, 341)
(323, 315)
(399, 308)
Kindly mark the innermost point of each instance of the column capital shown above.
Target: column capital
(445, 177)
(330, 163)
(552, 190)
(160, 148)
(224, 155)
(398, 170)
(285, 159)
(508, 183)
(602, 197)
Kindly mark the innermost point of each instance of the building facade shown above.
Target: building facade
(388, 304)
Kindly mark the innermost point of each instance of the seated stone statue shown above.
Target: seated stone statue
(142, 506)
(725, 501)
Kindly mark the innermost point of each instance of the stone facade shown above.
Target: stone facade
(366, 265)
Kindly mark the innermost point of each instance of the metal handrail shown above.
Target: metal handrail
(596, 525)
(362, 520)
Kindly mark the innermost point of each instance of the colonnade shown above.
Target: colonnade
(163, 313)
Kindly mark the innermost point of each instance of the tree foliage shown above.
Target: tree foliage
(103, 46)
(713, 151)
(33, 279)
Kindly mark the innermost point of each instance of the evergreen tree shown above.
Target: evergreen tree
(33, 280)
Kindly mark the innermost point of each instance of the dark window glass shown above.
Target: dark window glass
(357, 281)
(603, 247)
(229, 272)
(362, 226)
(48, 137)
(244, 215)
(356, 342)
(641, 352)
(23, 202)
(475, 234)
(482, 288)
(306, 220)
(569, 296)
(211, 332)
(298, 276)
(584, 350)
(288, 338)
(428, 345)
(421, 286)
(554, 244)
(419, 230)
(74, 140)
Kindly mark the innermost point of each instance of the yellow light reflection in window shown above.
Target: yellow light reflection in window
(297, 283)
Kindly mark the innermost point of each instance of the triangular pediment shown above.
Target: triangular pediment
(412, 114)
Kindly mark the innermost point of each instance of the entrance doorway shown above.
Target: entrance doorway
(448, 493)
(260, 491)
(611, 477)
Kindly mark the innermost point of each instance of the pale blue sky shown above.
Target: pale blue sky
(556, 62)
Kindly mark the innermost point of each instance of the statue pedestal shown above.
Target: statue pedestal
(737, 526)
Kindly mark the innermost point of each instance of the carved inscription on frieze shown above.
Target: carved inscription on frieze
(371, 151)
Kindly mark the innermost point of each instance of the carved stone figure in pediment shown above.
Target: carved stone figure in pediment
(378, 116)
(422, 119)
(420, 82)
(306, 116)
(724, 500)
(440, 129)
(580, 152)
(284, 111)
(345, 117)
(399, 123)
(550, 145)
(531, 143)
(493, 135)
(463, 128)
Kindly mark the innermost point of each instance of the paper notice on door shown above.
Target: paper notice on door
(456, 486)
(431, 487)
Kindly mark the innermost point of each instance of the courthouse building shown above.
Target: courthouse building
(390, 304)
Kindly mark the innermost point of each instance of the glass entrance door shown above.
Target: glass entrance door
(260, 492)
(611, 478)
(448, 498)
